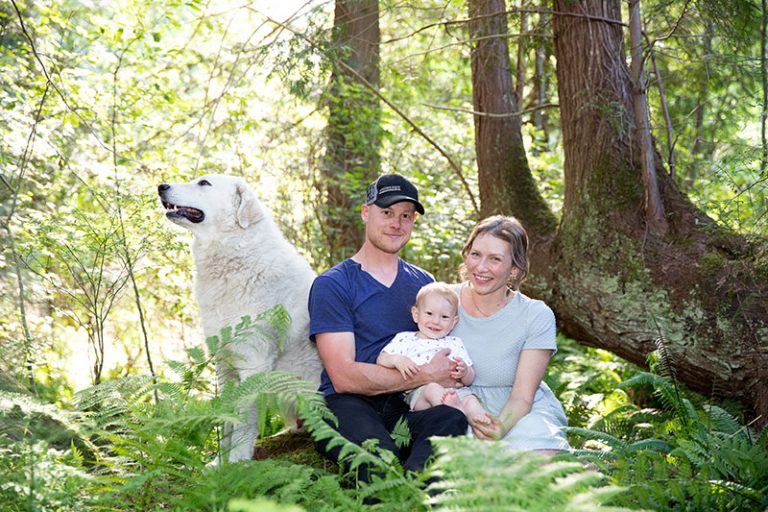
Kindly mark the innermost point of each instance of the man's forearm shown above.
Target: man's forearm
(374, 379)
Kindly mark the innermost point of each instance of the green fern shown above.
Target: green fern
(703, 459)
(485, 476)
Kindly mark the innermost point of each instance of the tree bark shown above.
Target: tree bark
(353, 132)
(654, 210)
(618, 285)
(505, 180)
(764, 80)
(539, 116)
(522, 43)
(701, 150)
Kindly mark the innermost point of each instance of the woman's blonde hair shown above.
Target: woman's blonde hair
(508, 229)
(438, 288)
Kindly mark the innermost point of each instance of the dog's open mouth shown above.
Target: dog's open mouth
(187, 212)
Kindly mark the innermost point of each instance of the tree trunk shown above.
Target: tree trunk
(700, 150)
(353, 133)
(539, 117)
(764, 80)
(506, 183)
(522, 44)
(654, 210)
(618, 285)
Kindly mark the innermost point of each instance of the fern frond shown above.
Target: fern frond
(723, 421)
(486, 476)
(618, 423)
(114, 393)
(665, 363)
(261, 505)
(645, 445)
(24, 416)
(603, 437)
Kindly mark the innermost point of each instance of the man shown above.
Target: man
(355, 309)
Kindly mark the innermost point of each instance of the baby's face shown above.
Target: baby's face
(435, 315)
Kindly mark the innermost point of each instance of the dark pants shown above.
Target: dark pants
(373, 417)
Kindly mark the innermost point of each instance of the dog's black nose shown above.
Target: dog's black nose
(163, 187)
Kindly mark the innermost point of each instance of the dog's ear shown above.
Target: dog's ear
(248, 208)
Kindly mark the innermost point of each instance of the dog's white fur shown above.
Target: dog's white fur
(244, 266)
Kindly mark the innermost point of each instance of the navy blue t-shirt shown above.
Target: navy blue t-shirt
(345, 298)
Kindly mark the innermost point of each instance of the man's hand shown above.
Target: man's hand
(439, 370)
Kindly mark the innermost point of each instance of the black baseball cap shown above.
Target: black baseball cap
(389, 189)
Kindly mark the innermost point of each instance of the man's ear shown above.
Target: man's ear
(364, 210)
(249, 211)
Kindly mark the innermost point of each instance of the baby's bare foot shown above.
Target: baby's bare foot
(482, 419)
(450, 398)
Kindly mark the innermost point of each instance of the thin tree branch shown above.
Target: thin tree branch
(764, 77)
(123, 236)
(404, 116)
(51, 82)
(509, 11)
(14, 189)
(492, 115)
(667, 118)
(418, 130)
(675, 26)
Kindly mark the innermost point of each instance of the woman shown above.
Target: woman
(510, 337)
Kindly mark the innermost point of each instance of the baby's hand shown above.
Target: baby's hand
(460, 370)
(406, 367)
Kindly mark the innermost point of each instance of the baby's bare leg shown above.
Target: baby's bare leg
(430, 396)
(474, 410)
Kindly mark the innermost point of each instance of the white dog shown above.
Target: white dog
(244, 266)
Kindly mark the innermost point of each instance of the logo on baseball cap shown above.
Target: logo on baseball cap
(389, 189)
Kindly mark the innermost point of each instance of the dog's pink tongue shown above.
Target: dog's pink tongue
(191, 213)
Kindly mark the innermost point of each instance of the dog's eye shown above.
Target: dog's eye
(204, 183)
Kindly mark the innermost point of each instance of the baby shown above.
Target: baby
(436, 313)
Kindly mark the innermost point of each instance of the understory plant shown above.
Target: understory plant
(141, 443)
(677, 453)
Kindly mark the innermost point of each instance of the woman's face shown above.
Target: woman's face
(489, 264)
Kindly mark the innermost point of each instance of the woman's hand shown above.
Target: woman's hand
(488, 428)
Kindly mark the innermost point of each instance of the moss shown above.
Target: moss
(710, 263)
(295, 447)
(761, 269)
(537, 286)
(625, 191)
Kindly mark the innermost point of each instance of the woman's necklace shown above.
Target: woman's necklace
(496, 307)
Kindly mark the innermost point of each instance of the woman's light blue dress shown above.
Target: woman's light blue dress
(494, 343)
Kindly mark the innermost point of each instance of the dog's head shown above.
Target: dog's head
(212, 201)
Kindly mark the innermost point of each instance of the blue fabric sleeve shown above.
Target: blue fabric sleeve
(329, 307)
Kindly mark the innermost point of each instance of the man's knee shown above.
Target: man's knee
(447, 421)
(456, 419)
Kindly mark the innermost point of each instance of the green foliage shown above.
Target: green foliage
(710, 72)
(123, 95)
(132, 453)
(477, 475)
(678, 456)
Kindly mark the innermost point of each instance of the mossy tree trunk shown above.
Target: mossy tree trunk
(505, 179)
(615, 283)
(353, 132)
